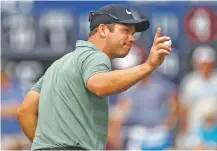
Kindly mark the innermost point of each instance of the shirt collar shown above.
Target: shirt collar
(82, 43)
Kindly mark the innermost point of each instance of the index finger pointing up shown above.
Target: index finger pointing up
(158, 33)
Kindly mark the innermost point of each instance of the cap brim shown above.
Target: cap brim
(140, 25)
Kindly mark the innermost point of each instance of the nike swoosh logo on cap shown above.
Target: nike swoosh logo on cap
(128, 12)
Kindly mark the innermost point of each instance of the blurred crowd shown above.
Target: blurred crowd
(157, 113)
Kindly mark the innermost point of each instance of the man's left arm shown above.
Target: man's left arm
(28, 111)
(28, 114)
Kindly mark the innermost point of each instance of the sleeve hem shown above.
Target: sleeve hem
(35, 89)
(89, 76)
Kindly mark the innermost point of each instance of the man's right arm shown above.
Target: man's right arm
(108, 83)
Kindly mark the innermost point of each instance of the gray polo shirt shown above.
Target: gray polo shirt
(69, 114)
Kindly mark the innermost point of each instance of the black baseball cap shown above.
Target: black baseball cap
(113, 13)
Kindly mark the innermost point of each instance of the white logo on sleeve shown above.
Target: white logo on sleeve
(128, 12)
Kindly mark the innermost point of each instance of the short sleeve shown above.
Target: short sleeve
(37, 86)
(94, 62)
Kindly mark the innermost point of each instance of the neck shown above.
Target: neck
(207, 75)
(100, 44)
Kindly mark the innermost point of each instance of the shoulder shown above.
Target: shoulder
(87, 52)
(190, 78)
(191, 75)
(89, 55)
(88, 59)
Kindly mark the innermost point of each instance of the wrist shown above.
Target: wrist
(148, 67)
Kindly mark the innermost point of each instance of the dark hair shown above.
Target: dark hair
(109, 26)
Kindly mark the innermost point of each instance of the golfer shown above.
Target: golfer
(68, 107)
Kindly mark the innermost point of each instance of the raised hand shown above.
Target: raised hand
(159, 50)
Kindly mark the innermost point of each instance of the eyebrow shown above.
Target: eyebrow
(130, 28)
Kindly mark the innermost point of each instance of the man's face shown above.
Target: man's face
(210, 121)
(205, 67)
(120, 40)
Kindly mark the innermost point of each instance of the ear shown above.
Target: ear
(103, 30)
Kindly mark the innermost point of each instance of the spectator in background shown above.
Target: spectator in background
(140, 119)
(199, 85)
(150, 120)
(207, 133)
(11, 96)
